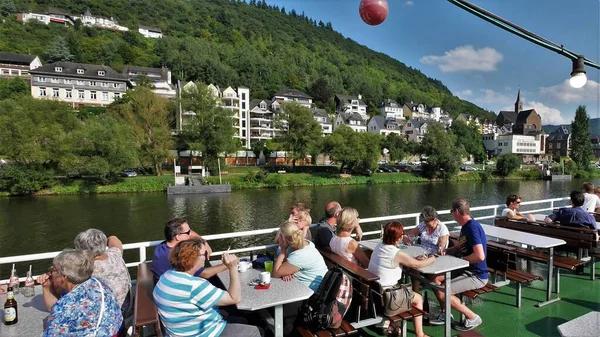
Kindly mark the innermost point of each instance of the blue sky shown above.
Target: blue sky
(476, 60)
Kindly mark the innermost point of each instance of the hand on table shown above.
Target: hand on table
(287, 278)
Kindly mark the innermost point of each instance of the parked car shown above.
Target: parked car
(468, 162)
(415, 163)
(128, 173)
(403, 168)
(468, 168)
(491, 162)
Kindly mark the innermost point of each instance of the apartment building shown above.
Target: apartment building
(389, 108)
(262, 115)
(12, 65)
(77, 83)
(160, 78)
(150, 32)
(321, 116)
(351, 104)
(293, 95)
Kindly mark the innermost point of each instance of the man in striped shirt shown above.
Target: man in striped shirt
(187, 305)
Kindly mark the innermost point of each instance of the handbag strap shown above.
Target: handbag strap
(101, 307)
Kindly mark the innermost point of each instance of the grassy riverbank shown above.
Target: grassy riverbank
(252, 177)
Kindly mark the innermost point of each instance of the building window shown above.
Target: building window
(80, 82)
(58, 69)
(115, 85)
(42, 92)
(69, 93)
(104, 84)
(42, 79)
(243, 105)
(81, 94)
(14, 72)
(55, 92)
(101, 73)
(68, 82)
(93, 95)
(117, 95)
(93, 83)
(24, 72)
(244, 114)
(80, 71)
(105, 96)
(244, 96)
(557, 145)
(5, 72)
(54, 80)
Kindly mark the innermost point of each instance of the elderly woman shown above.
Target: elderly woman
(513, 203)
(343, 244)
(86, 306)
(109, 265)
(187, 304)
(433, 234)
(386, 262)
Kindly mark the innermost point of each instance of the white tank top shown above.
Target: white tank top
(340, 246)
(381, 264)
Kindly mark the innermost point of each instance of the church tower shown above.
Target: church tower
(518, 103)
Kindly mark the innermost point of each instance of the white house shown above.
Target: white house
(352, 120)
(150, 32)
(321, 116)
(517, 144)
(52, 16)
(384, 126)
(351, 104)
(415, 130)
(293, 95)
(262, 120)
(18, 64)
(391, 109)
(78, 84)
(160, 78)
(100, 22)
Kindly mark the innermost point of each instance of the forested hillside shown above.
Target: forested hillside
(228, 43)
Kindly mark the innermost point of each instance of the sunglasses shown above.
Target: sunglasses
(517, 202)
(187, 233)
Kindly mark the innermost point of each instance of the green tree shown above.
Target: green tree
(144, 81)
(469, 137)
(19, 179)
(10, 88)
(210, 131)
(299, 130)
(321, 90)
(581, 146)
(396, 146)
(357, 151)
(147, 117)
(257, 148)
(507, 163)
(7, 7)
(102, 147)
(59, 51)
(443, 155)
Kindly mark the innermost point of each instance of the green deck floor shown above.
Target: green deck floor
(579, 295)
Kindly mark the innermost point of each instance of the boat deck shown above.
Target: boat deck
(579, 295)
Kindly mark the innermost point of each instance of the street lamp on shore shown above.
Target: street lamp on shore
(578, 78)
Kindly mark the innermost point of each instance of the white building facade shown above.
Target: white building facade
(293, 95)
(12, 65)
(100, 22)
(150, 32)
(514, 144)
(160, 78)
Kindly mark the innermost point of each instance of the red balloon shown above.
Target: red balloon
(373, 12)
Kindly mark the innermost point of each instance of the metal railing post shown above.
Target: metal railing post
(416, 220)
(142, 254)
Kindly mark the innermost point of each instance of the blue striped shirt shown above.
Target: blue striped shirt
(187, 305)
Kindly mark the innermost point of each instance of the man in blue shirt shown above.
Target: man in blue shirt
(472, 246)
(177, 230)
(573, 216)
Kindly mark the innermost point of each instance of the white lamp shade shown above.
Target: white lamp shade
(578, 80)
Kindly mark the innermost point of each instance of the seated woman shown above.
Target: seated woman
(109, 265)
(513, 203)
(386, 262)
(187, 305)
(433, 234)
(301, 261)
(300, 216)
(86, 306)
(343, 244)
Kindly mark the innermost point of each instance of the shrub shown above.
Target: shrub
(507, 164)
(24, 180)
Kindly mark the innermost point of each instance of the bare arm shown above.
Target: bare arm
(359, 232)
(443, 243)
(283, 268)
(212, 271)
(114, 242)
(360, 256)
(50, 297)
(234, 291)
(548, 220)
(478, 254)
(407, 261)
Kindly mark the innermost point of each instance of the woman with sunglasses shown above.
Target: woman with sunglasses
(187, 305)
(513, 203)
(79, 304)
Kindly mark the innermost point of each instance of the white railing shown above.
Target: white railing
(142, 246)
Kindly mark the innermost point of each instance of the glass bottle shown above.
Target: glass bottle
(29, 289)
(14, 282)
(11, 316)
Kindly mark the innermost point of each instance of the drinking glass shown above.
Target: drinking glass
(269, 266)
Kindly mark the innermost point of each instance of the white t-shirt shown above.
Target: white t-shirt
(431, 241)
(508, 210)
(382, 265)
(591, 202)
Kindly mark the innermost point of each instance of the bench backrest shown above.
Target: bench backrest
(145, 308)
(355, 270)
(577, 237)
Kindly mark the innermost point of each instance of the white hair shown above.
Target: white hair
(93, 241)
(76, 265)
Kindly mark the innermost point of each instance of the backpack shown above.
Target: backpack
(327, 306)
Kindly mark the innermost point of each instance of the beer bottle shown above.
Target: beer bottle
(10, 308)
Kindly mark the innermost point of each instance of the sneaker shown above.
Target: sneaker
(469, 324)
(441, 319)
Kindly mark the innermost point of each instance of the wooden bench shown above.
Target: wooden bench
(145, 312)
(499, 264)
(575, 237)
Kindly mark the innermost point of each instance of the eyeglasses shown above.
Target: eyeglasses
(205, 254)
(186, 233)
(517, 202)
(52, 269)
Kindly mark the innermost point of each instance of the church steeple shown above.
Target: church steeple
(518, 103)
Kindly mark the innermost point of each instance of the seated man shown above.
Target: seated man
(326, 228)
(177, 230)
(472, 247)
(573, 216)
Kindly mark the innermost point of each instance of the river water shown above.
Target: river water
(43, 224)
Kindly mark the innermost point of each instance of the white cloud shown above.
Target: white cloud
(409, 3)
(549, 115)
(491, 97)
(466, 58)
(464, 93)
(567, 94)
